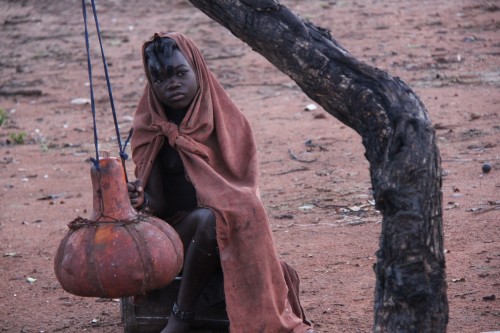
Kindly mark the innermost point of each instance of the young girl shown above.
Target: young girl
(196, 167)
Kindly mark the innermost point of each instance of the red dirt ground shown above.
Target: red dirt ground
(321, 212)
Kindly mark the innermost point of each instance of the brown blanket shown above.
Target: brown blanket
(217, 148)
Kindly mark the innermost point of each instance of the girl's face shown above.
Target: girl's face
(175, 86)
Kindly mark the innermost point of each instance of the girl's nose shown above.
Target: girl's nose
(173, 83)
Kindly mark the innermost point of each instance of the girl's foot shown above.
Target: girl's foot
(179, 321)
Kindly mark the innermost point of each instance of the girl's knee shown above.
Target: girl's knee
(204, 217)
(205, 231)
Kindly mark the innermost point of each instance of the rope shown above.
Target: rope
(123, 154)
(92, 102)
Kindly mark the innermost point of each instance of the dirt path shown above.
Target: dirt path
(319, 202)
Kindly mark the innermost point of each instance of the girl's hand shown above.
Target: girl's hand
(136, 194)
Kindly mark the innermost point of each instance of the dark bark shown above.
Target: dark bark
(400, 144)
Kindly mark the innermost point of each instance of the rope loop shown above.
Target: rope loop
(123, 155)
(96, 164)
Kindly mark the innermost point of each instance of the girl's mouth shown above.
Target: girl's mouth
(176, 97)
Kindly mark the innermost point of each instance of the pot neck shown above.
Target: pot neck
(110, 195)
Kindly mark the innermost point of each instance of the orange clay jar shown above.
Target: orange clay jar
(118, 252)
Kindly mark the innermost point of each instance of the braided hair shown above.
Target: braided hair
(158, 55)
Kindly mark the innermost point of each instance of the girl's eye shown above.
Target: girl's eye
(181, 73)
(157, 79)
(154, 76)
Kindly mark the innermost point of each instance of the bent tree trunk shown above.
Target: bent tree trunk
(400, 144)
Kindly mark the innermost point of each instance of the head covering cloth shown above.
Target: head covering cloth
(217, 148)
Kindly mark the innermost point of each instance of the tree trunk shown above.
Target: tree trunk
(400, 144)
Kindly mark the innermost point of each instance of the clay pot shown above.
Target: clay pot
(118, 252)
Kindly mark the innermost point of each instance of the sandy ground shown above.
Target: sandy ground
(319, 206)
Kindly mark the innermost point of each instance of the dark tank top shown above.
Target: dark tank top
(180, 194)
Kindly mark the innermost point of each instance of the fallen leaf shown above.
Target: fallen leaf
(80, 101)
(439, 126)
(474, 116)
(355, 208)
(306, 207)
(51, 197)
(310, 107)
(320, 116)
(284, 217)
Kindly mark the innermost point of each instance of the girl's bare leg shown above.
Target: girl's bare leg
(197, 231)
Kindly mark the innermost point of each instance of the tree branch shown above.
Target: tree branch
(400, 146)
